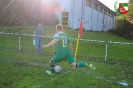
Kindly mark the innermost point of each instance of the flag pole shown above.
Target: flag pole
(75, 57)
(79, 33)
(76, 51)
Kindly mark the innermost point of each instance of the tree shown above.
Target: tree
(22, 12)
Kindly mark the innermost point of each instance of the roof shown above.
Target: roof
(98, 3)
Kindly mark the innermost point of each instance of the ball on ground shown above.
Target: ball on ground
(57, 69)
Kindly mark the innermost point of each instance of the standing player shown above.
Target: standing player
(61, 40)
(38, 38)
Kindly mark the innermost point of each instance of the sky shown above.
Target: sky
(110, 3)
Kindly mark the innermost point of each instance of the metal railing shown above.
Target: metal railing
(100, 41)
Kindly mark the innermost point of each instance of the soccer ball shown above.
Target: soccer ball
(57, 68)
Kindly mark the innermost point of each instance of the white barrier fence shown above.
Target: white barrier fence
(100, 41)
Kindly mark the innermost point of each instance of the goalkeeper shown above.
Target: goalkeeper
(61, 40)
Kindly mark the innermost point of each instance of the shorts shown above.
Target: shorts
(67, 57)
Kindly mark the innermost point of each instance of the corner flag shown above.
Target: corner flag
(79, 35)
(80, 29)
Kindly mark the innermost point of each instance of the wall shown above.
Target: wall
(64, 5)
(87, 18)
(75, 14)
(93, 19)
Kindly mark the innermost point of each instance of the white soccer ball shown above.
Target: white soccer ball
(57, 68)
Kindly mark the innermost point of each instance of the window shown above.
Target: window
(95, 7)
(105, 12)
(88, 3)
(100, 10)
(111, 15)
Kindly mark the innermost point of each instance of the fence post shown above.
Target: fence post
(106, 51)
(19, 42)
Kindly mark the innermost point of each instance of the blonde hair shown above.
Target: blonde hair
(59, 27)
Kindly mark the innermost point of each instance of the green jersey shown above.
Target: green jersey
(61, 45)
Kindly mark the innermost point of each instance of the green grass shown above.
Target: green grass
(24, 69)
(89, 49)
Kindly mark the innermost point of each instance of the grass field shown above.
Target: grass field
(24, 69)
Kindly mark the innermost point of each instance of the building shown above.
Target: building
(95, 15)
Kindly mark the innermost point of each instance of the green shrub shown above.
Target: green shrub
(123, 28)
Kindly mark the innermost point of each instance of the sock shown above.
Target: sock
(52, 69)
(81, 64)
